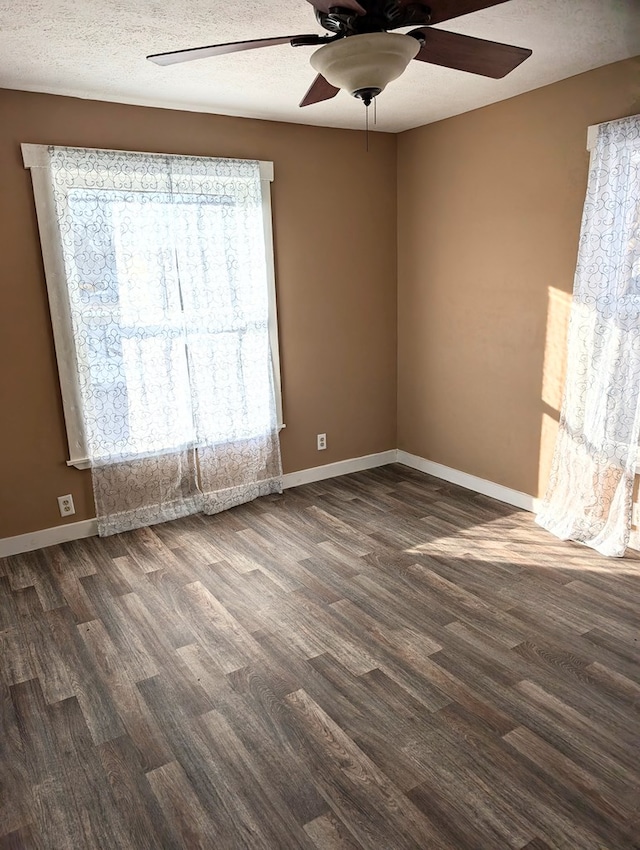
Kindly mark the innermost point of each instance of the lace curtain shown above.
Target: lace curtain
(589, 497)
(165, 266)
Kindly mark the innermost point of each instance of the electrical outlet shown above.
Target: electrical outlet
(322, 442)
(65, 503)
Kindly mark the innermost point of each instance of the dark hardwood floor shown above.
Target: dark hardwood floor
(380, 661)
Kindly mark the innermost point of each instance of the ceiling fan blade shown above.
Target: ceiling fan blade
(320, 89)
(445, 10)
(325, 5)
(464, 53)
(175, 56)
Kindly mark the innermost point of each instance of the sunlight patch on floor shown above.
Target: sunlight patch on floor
(528, 549)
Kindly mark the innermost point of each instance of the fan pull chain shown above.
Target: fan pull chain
(375, 111)
(366, 126)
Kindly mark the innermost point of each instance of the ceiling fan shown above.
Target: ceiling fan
(362, 56)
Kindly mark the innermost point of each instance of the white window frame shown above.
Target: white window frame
(36, 159)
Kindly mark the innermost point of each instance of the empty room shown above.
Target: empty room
(320, 425)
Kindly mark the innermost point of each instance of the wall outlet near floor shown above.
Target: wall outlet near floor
(65, 503)
(322, 442)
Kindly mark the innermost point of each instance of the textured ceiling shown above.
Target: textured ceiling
(96, 49)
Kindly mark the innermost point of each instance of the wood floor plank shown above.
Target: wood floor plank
(382, 661)
(259, 814)
(123, 630)
(351, 783)
(626, 756)
(86, 681)
(18, 665)
(8, 612)
(619, 804)
(252, 711)
(329, 833)
(545, 802)
(14, 781)
(91, 816)
(187, 789)
(316, 685)
(140, 726)
(37, 647)
(215, 626)
(43, 794)
(190, 824)
(139, 809)
(19, 839)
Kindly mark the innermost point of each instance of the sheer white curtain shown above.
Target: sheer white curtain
(589, 496)
(166, 275)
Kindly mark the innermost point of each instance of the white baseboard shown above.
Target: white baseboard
(89, 527)
(470, 482)
(341, 467)
(47, 537)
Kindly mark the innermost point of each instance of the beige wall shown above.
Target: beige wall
(335, 240)
(489, 208)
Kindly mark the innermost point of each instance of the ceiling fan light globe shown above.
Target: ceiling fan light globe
(368, 61)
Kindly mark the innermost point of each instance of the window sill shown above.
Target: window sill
(80, 463)
(85, 462)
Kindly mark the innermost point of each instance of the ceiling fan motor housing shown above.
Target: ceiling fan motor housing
(381, 15)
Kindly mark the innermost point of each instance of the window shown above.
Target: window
(160, 278)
